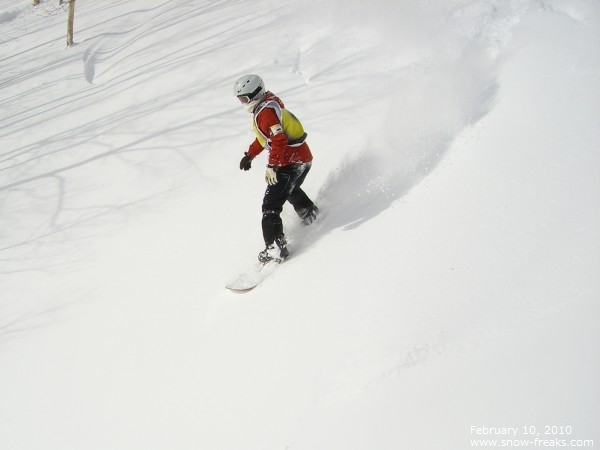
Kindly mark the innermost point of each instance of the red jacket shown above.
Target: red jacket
(279, 131)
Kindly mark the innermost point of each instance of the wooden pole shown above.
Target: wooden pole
(71, 18)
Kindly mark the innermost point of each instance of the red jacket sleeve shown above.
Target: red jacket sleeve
(269, 125)
(255, 149)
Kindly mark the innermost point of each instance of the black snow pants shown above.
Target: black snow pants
(287, 188)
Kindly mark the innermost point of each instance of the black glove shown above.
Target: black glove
(246, 162)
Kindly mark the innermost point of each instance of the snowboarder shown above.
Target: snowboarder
(279, 132)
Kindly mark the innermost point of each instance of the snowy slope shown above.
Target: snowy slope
(453, 281)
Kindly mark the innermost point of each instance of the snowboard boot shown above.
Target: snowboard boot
(267, 255)
(282, 244)
(270, 253)
(309, 215)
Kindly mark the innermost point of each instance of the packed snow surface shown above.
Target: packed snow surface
(448, 295)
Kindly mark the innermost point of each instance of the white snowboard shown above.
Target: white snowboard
(251, 278)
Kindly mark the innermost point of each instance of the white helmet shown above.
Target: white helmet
(250, 90)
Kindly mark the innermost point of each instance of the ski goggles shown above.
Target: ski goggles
(247, 98)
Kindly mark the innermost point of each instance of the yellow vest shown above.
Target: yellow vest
(292, 127)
